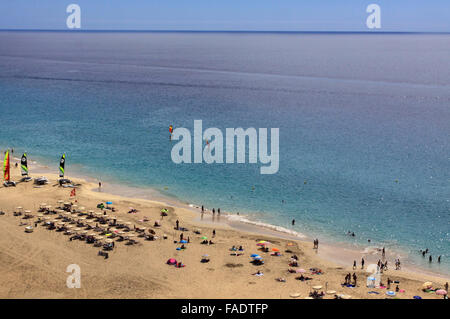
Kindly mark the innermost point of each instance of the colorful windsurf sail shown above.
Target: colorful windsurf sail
(6, 167)
(62, 163)
(24, 165)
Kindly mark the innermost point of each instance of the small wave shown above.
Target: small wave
(242, 219)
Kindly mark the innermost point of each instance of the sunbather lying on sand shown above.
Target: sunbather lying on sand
(302, 278)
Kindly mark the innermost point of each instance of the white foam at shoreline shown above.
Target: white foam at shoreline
(244, 220)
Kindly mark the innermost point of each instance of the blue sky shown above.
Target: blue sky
(279, 15)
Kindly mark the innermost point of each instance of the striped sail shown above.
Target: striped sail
(6, 168)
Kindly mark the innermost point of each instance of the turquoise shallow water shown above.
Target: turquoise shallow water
(364, 123)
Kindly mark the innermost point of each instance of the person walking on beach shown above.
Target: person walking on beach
(178, 224)
(439, 259)
(214, 233)
(347, 279)
(99, 185)
(388, 283)
(362, 263)
(383, 253)
(354, 278)
(430, 259)
(446, 286)
(354, 264)
(214, 211)
(293, 222)
(218, 211)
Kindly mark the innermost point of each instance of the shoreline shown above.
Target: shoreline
(44, 256)
(338, 253)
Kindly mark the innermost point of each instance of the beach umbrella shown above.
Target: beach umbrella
(427, 285)
(300, 271)
(109, 203)
(275, 249)
(390, 293)
(257, 258)
(417, 297)
(317, 287)
(204, 237)
(183, 241)
(441, 292)
(172, 261)
(294, 294)
(205, 255)
(254, 255)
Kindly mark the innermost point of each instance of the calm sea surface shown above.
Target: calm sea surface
(364, 123)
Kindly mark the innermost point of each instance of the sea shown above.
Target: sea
(363, 118)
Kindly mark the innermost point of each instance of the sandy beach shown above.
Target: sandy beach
(34, 264)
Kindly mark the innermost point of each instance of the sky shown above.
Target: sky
(251, 15)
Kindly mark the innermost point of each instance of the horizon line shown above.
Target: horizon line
(221, 31)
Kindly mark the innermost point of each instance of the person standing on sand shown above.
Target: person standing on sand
(446, 286)
(354, 264)
(214, 211)
(177, 224)
(439, 259)
(214, 233)
(218, 211)
(384, 253)
(354, 278)
(362, 263)
(293, 222)
(388, 283)
(430, 259)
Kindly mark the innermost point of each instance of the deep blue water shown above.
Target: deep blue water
(364, 122)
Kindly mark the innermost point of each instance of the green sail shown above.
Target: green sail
(62, 163)
(24, 165)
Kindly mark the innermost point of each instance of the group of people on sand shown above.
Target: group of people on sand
(348, 278)
(213, 211)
